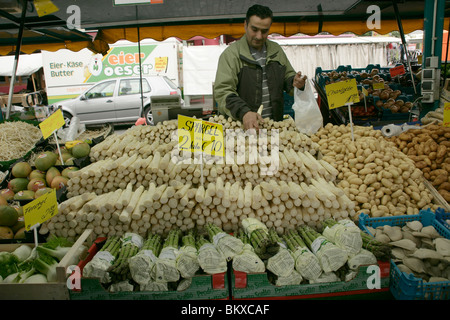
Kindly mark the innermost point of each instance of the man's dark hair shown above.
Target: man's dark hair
(260, 11)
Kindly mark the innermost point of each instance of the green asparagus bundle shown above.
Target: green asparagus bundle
(227, 244)
(131, 244)
(382, 251)
(330, 256)
(259, 238)
(281, 264)
(294, 278)
(247, 261)
(344, 234)
(142, 265)
(210, 259)
(166, 266)
(99, 265)
(306, 263)
(187, 262)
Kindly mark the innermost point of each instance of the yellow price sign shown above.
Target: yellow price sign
(212, 141)
(45, 7)
(341, 93)
(40, 210)
(189, 134)
(196, 135)
(446, 122)
(161, 64)
(52, 123)
(365, 92)
(378, 85)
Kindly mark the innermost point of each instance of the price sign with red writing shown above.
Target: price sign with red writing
(396, 71)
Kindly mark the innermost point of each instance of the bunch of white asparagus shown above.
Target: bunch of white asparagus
(138, 182)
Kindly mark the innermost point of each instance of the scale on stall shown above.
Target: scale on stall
(169, 107)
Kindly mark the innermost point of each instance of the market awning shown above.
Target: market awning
(39, 32)
(236, 30)
(189, 18)
(29, 64)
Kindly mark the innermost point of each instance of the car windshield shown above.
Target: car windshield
(104, 89)
(132, 86)
(170, 83)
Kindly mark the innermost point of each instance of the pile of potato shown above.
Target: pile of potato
(377, 176)
(429, 148)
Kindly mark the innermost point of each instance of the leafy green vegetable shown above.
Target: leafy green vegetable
(46, 265)
(8, 264)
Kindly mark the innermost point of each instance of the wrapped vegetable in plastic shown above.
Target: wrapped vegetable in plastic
(247, 261)
(142, 264)
(210, 259)
(186, 261)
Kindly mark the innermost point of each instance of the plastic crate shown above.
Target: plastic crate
(442, 216)
(203, 286)
(405, 286)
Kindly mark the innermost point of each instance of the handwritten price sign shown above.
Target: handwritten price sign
(40, 210)
(446, 121)
(196, 135)
(396, 71)
(341, 93)
(52, 123)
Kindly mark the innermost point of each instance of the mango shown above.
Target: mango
(8, 194)
(18, 184)
(59, 182)
(81, 150)
(36, 174)
(41, 191)
(8, 216)
(36, 183)
(51, 174)
(21, 169)
(24, 195)
(66, 171)
(45, 160)
(6, 233)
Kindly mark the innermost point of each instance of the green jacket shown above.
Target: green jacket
(238, 83)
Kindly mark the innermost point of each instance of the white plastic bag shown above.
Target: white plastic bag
(308, 118)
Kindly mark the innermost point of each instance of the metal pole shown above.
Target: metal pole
(16, 57)
(402, 34)
(140, 63)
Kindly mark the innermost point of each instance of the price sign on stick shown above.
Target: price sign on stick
(341, 93)
(200, 136)
(378, 85)
(212, 140)
(40, 210)
(446, 122)
(189, 134)
(396, 71)
(52, 123)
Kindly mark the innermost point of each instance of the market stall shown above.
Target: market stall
(345, 212)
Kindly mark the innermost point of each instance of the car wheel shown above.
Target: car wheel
(149, 116)
(67, 118)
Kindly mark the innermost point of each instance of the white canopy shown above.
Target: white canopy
(28, 64)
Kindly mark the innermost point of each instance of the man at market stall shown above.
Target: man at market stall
(253, 72)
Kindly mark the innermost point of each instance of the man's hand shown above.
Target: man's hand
(299, 81)
(251, 120)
